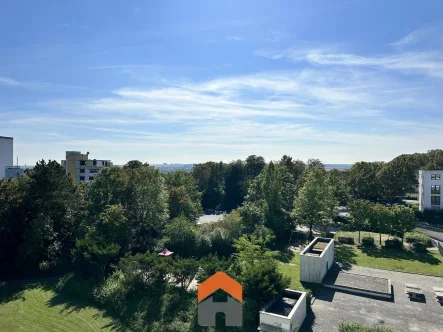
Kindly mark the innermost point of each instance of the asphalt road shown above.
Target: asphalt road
(432, 234)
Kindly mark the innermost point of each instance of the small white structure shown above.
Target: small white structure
(430, 185)
(316, 260)
(285, 313)
(6, 154)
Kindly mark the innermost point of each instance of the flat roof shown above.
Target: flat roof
(7, 137)
(317, 246)
(284, 305)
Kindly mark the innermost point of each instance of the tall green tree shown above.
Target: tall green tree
(380, 219)
(210, 178)
(183, 195)
(257, 270)
(398, 177)
(361, 212)
(363, 181)
(235, 185)
(314, 199)
(403, 219)
(142, 193)
(254, 166)
(54, 206)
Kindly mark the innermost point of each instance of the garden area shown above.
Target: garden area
(38, 307)
(415, 255)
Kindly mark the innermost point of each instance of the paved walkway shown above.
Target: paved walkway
(402, 314)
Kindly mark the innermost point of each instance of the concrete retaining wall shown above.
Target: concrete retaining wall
(438, 245)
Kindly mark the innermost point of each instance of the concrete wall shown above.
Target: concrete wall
(6, 154)
(438, 245)
(424, 189)
(314, 268)
(290, 323)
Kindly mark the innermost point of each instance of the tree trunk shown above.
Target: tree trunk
(358, 236)
(380, 238)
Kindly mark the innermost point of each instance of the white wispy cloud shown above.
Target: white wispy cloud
(429, 63)
(430, 33)
(9, 81)
(234, 38)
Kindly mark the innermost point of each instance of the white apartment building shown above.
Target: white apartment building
(81, 167)
(430, 185)
(13, 171)
(6, 154)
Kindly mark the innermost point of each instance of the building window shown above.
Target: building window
(435, 189)
(435, 200)
(103, 163)
(435, 176)
(94, 163)
(82, 178)
(82, 170)
(93, 170)
(91, 178)
(82, 162)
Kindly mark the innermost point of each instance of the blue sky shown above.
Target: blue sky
(191, 81)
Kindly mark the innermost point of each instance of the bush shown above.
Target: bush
(346, 240)
(73, 285)
(419, 247)
(112, 293)
(328, 235)
(355, 327)
(394, 243)
(414, 237)
(367, 241)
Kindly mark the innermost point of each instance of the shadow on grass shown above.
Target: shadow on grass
(15, 290)
(285, 255)
(345, 255)
(399, 254)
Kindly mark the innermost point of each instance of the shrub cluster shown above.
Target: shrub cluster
(368, 241)
(394, 243)
(346, 240)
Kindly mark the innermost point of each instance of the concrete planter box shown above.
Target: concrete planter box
(285, 314)
(316, 260)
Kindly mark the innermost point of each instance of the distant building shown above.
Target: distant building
(13, 171)
(6, 154)
(81, 167)
(430, 184)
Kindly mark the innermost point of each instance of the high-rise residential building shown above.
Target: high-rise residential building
(6, 154)
(430, 185)
(81, 167)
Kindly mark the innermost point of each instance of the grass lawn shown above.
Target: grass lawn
(292, 271)
(375, 236)
(391, 259)
(36, 307)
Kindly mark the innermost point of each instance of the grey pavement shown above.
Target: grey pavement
(401, 314)
(433, 234)
(209, 218)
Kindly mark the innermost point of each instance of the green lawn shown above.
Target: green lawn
(391, 259)
(36, 307)
(377, 257)
(375, 236)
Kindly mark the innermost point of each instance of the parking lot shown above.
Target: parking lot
(401, 314)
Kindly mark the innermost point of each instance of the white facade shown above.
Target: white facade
(13, 171)
(316, 260)
(81, 167)
(270, 322)
(430, 186)
(6, 154)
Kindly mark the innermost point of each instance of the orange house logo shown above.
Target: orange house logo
(207, 308)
